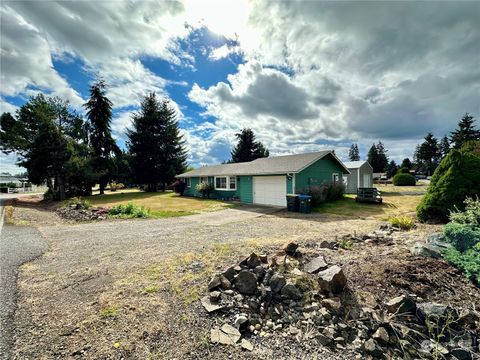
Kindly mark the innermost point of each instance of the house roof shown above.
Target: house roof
(7, 178)
(356, 164)
(264, 166)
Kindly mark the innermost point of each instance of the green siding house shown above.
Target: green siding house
(267, 181)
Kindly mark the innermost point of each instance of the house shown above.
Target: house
(361, 175)
(8, 179)
(267, 180)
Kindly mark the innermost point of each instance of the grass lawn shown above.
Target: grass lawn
(384, 189)
(393, 204)
(161, 205)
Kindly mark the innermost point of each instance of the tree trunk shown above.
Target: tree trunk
(61, 188)
(163, 187)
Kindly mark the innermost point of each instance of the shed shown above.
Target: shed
(267, 181)
(361, 175)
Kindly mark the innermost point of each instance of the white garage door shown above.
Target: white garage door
(270, 190)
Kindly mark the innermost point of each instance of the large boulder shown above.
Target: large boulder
(332, 280)
(315, 265)
(426, 250)
(246, 282)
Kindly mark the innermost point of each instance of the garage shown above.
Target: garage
(270, 190)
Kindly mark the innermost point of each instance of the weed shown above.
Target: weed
(129, 210)
(345, 244)
(109, 311)
(78, 201)
(403, 222)
(150, 289)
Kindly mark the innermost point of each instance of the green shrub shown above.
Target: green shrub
(468, 262)
(325, 192)
(456, 178)
(205, 189)
(471, 215)
(403, 222)
(461, 236)
(129, 211)
(403, 170)
(403, 179)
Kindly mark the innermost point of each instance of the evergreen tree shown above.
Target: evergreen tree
(247, 148)
(466, 131)
(444, 146)
(372, 158)
(391, 169)
(155, 144)
(428, 155)
(353, 153)
(47, 138)
(99, 114)
(406, 163)
(382, 157)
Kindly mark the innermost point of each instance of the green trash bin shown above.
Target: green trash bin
(292, 202)
(305, 202)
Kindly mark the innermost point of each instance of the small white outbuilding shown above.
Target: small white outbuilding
(361, 175)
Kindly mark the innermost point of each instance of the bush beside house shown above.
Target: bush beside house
(325, 192)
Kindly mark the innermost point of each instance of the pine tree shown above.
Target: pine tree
(155, 144)
(444, 146)
(353, 153)
(247, 148)
(466, 131)
(99, 114)
(382, 157)
(406, 163)
(391, 169)
(372, 158)
(428, 154)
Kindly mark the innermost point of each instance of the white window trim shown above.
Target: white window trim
(203, 179)
(333, 178)
(227, 183)
(189, 183)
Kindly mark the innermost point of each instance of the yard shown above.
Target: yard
(161, 204)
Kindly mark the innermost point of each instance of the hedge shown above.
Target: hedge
(403, 179)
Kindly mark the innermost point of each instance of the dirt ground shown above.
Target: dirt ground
(130, 289)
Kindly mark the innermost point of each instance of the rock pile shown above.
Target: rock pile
(77, 212)
(294, 296)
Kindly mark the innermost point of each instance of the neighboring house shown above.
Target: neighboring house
(267, 180)
(361, 175)
(7, 179)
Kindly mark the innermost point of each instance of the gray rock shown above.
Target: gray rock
(214, 296)
(291, 291)
(241, 321)
(247, 345)
(461, 354)
(372, 348)
(246, 282)
(381, 335)
(438, 239)
(333, 304)
(277, 282)
(290, 248)
(315, 265)
(260, 272)
(436, 313)
(426, 250)
(324, 340)
(230, 273)
(253, 261)
(401, 304)
(468, 319)
(209, 306)
(226, 335)
(332, 280)
(215, 282)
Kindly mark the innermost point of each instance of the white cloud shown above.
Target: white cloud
(223, 52)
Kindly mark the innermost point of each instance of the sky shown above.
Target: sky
(305, 76)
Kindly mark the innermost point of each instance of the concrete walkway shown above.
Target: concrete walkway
(18, 244)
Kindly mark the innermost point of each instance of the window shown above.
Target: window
(335, 179)
(225, 183)
(345, 180)
(186, 181)
(203, 179)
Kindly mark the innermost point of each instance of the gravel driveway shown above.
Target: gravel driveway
(84, 261)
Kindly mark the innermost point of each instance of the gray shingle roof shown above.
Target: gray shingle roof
(355, 164)
(264, 166)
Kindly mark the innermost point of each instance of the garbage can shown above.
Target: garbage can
(305, 203)
(292, 202)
